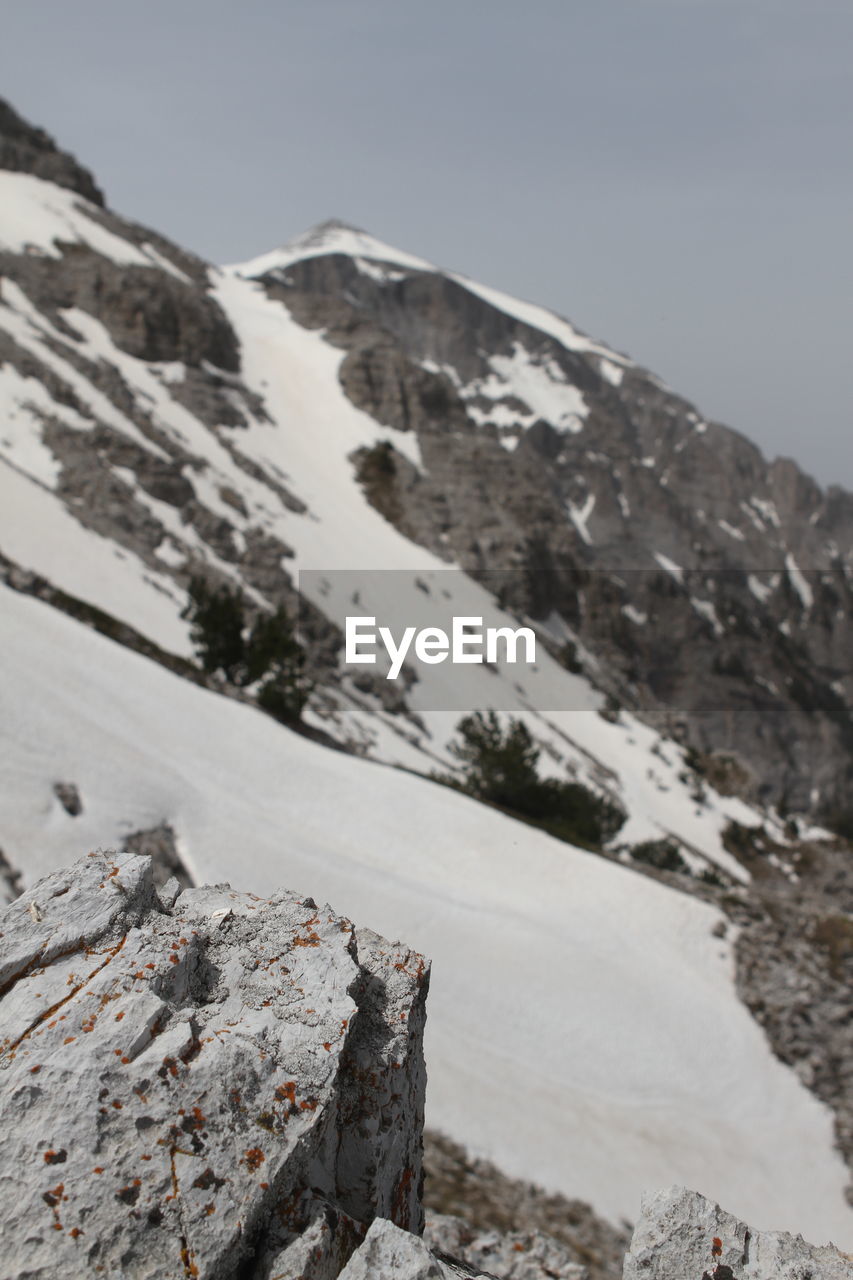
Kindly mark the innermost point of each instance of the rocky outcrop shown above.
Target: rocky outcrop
(200, 1083)
(204, 1083)
(25, 149)
(681, 1234)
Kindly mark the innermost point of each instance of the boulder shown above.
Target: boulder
(680, 1234)
(193, 1080)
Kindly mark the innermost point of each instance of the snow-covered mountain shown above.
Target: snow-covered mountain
(338, 419)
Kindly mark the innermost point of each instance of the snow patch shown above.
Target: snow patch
(614, 373)
(730, 529)
(635, 615)
(580, 515)
(541, 385)
(382, 275)
(767, 511)
(670, 566)
(762, 590)
(706, 610)
(799, 582)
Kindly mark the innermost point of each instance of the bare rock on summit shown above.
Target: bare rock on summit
(195, 1084)
(681, 1234)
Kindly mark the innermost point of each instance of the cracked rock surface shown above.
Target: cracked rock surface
(200, 1083)
(681, 1234)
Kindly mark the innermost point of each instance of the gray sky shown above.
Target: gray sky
(672, 175)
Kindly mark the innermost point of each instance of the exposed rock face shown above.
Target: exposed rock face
(743, 644)
(26, 149)
(196, 1083)
(127, 401)
(681, 1234)
(571, 467)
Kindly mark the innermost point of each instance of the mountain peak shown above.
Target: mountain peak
(331, 236)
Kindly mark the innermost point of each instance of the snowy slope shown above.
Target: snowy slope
(305, 437)
(318, 430)
(583, 1025)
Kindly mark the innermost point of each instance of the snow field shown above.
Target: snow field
(583, 1024)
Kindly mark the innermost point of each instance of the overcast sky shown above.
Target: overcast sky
(672, 175)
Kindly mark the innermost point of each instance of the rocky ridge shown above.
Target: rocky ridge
(681, 1233)
(697, 583)
(752, 666)
(26, 149)
(712, 586)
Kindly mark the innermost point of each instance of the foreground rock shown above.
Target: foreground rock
(200, 1083)
(203, 1083)
(681, 1234)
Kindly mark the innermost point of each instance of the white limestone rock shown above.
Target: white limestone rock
(183, 1081)
(391, 1254)
(683, 1236)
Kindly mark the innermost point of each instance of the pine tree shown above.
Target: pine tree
(499, 767)
(267, 654)
(217, 622)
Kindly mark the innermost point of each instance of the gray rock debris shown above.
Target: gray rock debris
(69, 797)
(189, 1084)
(681, 1234)
(518, 1255)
